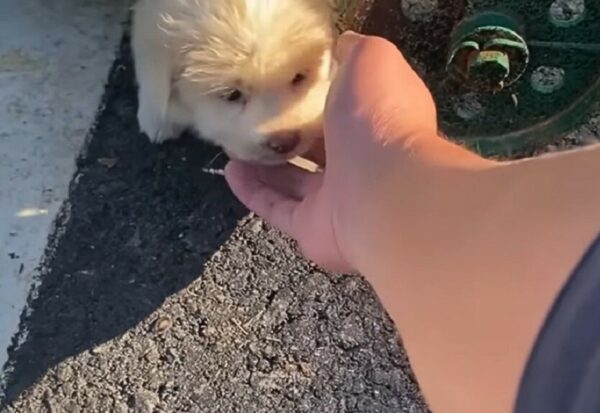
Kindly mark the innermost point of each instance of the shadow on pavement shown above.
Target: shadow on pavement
(143, 220)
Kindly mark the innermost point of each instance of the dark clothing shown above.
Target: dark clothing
(563, 372)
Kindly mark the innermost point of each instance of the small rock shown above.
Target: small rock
(252, 361)
(162, 324)
(220, 278)
(145, 402)
(67, 389)
(151, 354)
(120, 407)
(305, 369)
(204, 395)
(415, 408)
(99, 349)
(351, 333)
(209, 332)
(267, 383)
(108, 162)
(269, 351)
(191, 306)
(47, 401)
(63, 373)
(257, 227)
(72, 407)
(264, 366)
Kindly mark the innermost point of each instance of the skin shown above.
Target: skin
(466, 254)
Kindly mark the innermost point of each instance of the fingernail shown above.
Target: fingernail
(346, 43)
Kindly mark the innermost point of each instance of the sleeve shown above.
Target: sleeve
(563, 372)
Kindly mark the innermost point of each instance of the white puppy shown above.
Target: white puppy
(248, 75)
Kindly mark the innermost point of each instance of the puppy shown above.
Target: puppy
(250, 76)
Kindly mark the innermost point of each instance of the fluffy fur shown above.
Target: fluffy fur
(248, 75)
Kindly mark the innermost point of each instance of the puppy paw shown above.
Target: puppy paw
(155, 127)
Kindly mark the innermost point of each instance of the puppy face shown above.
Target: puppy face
(254, 74)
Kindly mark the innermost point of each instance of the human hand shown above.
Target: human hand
(380, 133)
(446, 238)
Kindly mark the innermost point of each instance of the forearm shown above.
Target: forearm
(470, 276)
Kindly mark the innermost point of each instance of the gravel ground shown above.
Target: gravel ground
(163, 295)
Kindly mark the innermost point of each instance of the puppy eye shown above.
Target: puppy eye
(234, 96)
(298, 79)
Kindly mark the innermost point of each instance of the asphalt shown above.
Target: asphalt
(163, 294)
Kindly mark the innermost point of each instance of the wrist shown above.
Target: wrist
(419, 188)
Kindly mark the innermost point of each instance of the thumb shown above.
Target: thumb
(345, 44)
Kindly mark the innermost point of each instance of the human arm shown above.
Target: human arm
(470, 278)
(467, 255)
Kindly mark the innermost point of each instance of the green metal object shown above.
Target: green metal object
(487, 53)
(490, 69)
(507, 75)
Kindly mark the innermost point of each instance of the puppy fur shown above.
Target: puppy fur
(251, 76)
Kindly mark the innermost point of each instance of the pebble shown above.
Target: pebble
(108, 162)
(257, 227)
(99, 349)
(120, 407)
(209, 332)
(163, 324)
(63, 373)
(145, 402)
(152, 354)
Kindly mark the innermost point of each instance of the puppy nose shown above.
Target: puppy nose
(282, 143)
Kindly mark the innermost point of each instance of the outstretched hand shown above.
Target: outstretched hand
(378, 114)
